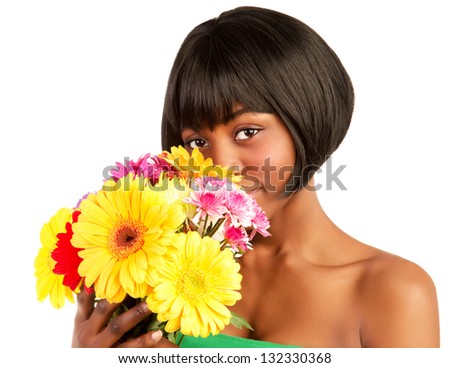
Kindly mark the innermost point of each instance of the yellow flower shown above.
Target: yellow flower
(194, 286)
(121, 232)
(194, 165)
(174, 190)
(48, 283)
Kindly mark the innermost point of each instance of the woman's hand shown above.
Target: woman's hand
(94, 327)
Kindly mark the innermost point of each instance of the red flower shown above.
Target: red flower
(67, 258)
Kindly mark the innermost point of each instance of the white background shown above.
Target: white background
(82, 85)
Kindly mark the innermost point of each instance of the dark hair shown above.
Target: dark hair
(268, 62)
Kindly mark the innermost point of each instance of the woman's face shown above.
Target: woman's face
(255, 145)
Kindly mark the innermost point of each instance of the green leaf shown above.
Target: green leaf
(173, 337)
(239, 322)
(154, 324)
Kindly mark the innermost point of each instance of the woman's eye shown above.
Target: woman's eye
(197, 143)
(246, 134)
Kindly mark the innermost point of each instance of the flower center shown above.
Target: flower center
(126, 237)
(192, 284)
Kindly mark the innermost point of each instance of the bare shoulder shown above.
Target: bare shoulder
(398, 303)
(387, 274)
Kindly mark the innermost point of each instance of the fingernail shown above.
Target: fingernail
(156, 336)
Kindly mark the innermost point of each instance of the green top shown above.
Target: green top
(227, 341)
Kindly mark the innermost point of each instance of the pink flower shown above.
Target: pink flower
(149, 166)
(240, 208)
(220, 200)
(237, 238)
(207, 203)
(130, 166)
(260, 222)
(211, 184)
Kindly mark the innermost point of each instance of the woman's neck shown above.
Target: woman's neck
(301, 225)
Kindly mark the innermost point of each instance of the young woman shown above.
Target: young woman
(262, 92)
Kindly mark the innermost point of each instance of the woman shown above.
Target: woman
(262, 92)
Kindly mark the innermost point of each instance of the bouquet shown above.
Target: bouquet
(168, 229)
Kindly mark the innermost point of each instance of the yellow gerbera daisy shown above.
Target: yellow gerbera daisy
(48, 283)
(174, 190)
(121, 232)
(195, 165)
(194, 286)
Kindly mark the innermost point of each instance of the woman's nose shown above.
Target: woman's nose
(229, 157)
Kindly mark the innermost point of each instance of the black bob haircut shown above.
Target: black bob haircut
(268, 62)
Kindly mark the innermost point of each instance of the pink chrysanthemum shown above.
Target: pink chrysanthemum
(212, 184)
(130, 166)
(148, 166)
(237, 238)
(240, 208)
(158, 166)
(208, 196)
(260, 222)
(210, 204)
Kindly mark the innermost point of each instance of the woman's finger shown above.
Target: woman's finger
(90, 321)
(85, 306)
(119, 325)
(147, 340)
(101, 315)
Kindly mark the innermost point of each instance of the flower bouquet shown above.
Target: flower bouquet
(168, 229)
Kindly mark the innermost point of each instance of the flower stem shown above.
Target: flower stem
(205, 225)
(215, 227)
(223, 244)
